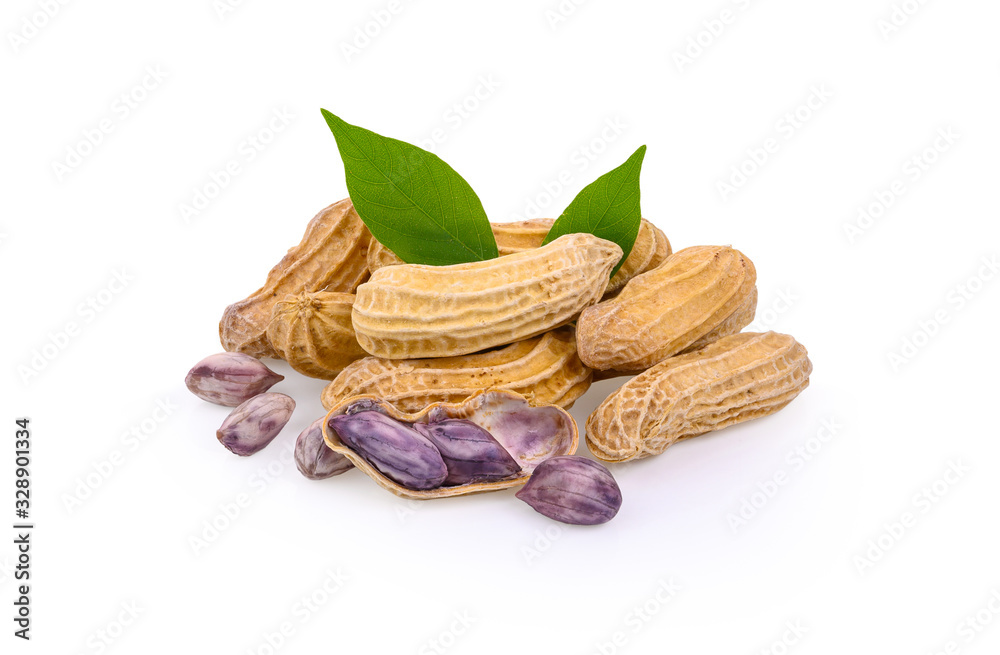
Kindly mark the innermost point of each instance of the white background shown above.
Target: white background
(826, 552)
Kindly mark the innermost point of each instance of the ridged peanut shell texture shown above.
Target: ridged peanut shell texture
(413, 311)
(650, 250)
(544, 369)
(332, 256)
(658, 314)
(737, 378)
(314, 334)
(529, 434)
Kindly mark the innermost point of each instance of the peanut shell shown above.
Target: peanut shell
(332, 256)
(314, 334)
(664, 311)
(734, 379)
(545, 369)
(529, 434)
(650, 250)
(413, 311)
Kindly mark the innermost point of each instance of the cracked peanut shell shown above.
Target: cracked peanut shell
(658, 314)
(414, 311)
(529, 434)
(313, 333)
(544, 369)
(332, 256)
(734, 379)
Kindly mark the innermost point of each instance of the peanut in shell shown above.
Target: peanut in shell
(734, 379)
(331, 256)
(545, 369)
(312, 331)
(414, 311)
(696, 292)
(650, 250)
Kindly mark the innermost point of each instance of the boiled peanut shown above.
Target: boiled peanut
(573, 489)
(734, 379)
(650, 250)
(230, 378)
(397, 450)
(314, 459)
(545, 369)
(332, 256)
(660, 313)
(470, 452)
(530, 435)
(255, 423)
(312, 331)
(414, 311)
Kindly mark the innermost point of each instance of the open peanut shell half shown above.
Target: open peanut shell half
(530, 434)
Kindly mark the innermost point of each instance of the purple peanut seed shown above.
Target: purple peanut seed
(398, 451)
(470, 452)
(314, 459)
(230, 378)
(255, 423)
(573, 489)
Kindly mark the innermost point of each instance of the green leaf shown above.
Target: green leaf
(608, 208)
(414, 203)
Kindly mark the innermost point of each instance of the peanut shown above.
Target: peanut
(734, 379)
(545, 369)
(510, 237)
(664, 311)
(573, 489)
(313, 333)
(394, 448)
(739, 319)
(413, 311)
(650, 250)
(230, 378)
(332, 256)
(255, 423)
(530, 435)
(470, 452)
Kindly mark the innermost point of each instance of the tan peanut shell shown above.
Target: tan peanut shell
(664, 311)
(313, 333)
(414, 311)
(544, 369)
(530, 434)
(650, 250)
(734, 379)
(332, 256)
(510, 237)
(739, 319)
